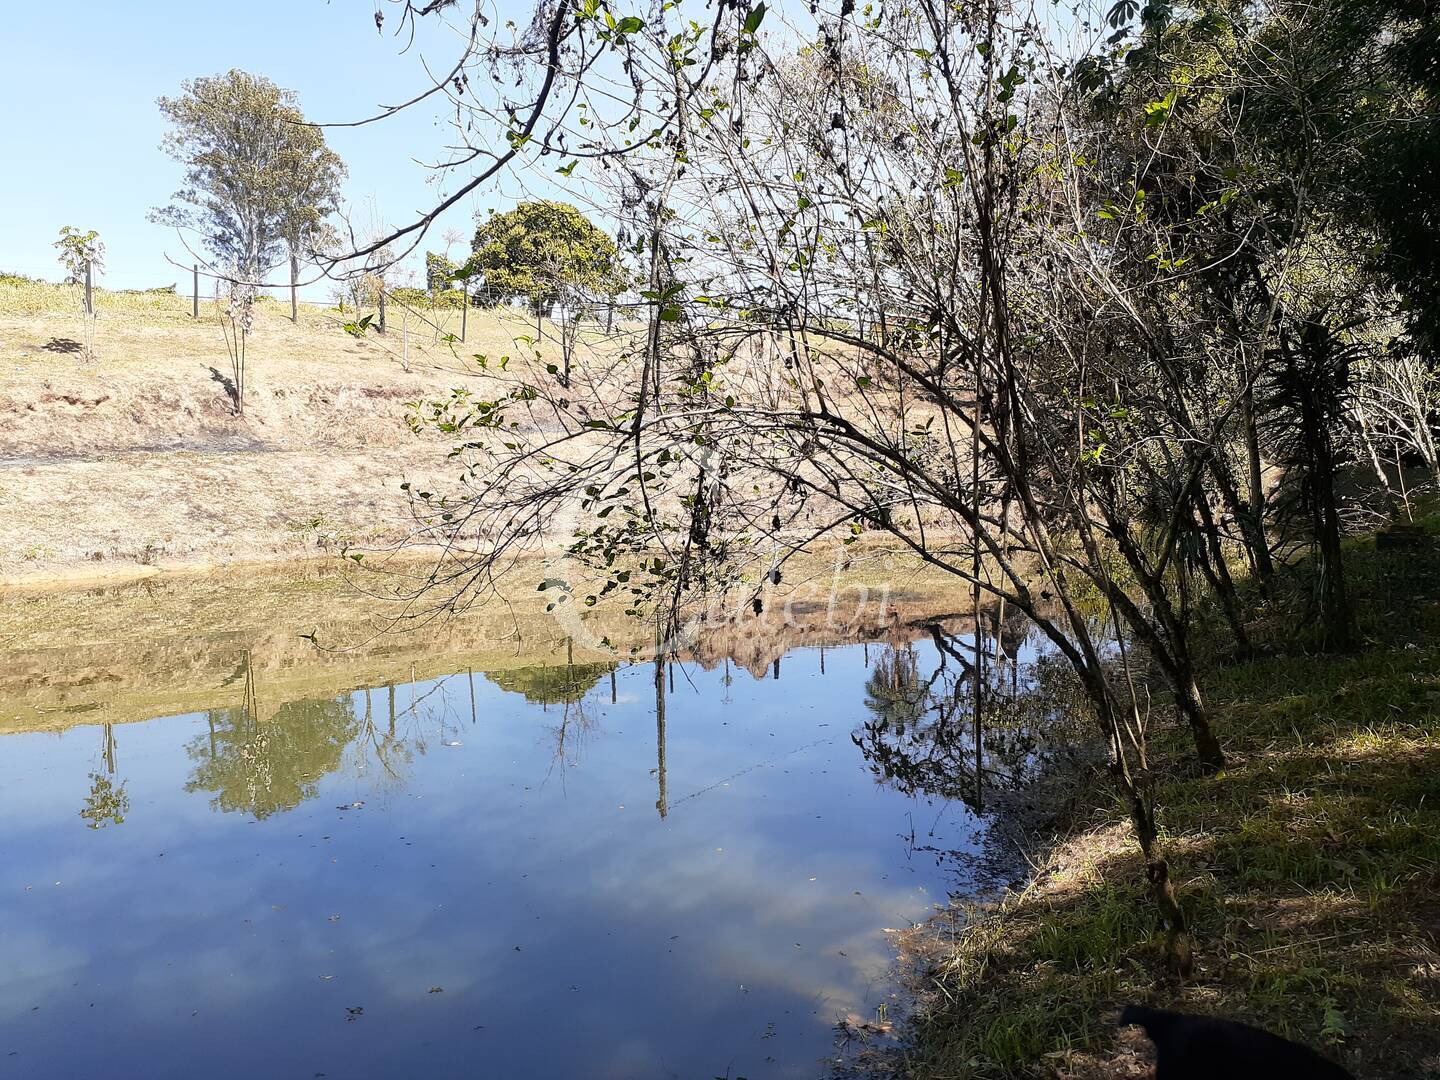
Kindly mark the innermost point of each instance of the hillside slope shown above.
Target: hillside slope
(134, 459)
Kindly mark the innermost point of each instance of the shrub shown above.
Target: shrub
(158, 290)
(415, 298)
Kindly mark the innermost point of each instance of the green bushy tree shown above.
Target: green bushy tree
(259, 181)
(543, 252)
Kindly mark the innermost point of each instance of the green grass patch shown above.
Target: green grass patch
(1309, 869)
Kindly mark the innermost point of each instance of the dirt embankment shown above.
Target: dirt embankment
(133, 459)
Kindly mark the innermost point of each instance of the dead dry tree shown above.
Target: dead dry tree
(237, 318)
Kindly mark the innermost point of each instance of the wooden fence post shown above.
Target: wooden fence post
(382, 310)
(195, 292)
(89, 299)
(294, 275)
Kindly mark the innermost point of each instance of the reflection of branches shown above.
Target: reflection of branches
(918, 740)
(264, 767)
(390, 750)
(576, 724)
(107, 803)
(568, 687)
(942, 643)
(416, 702)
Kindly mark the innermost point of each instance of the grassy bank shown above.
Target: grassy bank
(1310, 869)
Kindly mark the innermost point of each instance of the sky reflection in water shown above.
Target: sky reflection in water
(489, 888)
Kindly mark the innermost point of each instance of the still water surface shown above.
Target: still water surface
(546, 872)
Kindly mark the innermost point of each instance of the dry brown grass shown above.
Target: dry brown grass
(134, 459)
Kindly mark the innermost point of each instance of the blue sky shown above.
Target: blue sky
(81, 132)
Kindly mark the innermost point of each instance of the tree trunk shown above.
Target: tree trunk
(1254, 521)
(1432, 452)
(1338, 627)
(294, 278)
(1179, 951)
(1173, 659)
(1218, 574)
(567, 345)
(1257, 549)
(1192, 708)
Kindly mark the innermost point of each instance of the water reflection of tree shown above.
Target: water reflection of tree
(921, 737)
(662, 799)
(894, 692)
(383, 741)
(551, 684)
(571, 733)
(916, 741)
(108, 802)
(565, 686)
(264, 767)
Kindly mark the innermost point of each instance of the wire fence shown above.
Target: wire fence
(443, 313)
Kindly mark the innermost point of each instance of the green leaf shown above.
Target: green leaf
(755, 18)
(357, 329)
(1157, 112)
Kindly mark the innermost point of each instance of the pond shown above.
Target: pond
(560, 867)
